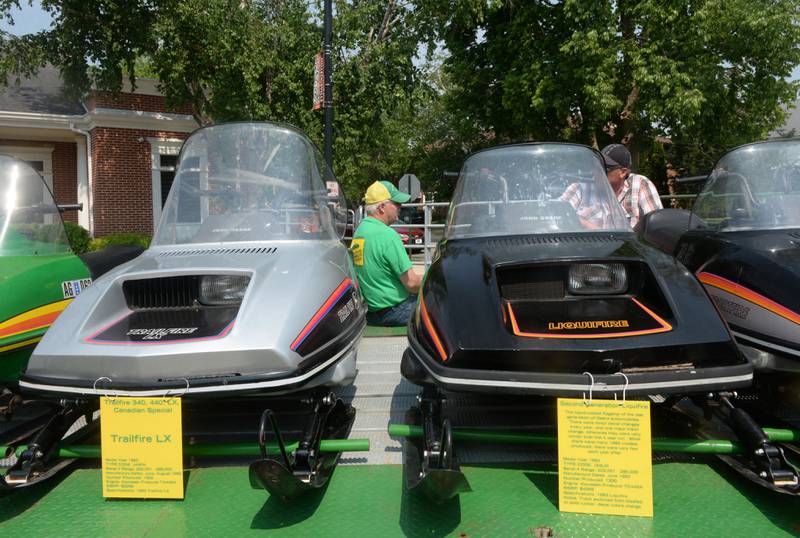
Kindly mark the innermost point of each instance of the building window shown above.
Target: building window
(40, 159)
(164, 158)
(167, 169)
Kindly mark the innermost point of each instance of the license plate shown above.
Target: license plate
(73, 288)
(418, 241)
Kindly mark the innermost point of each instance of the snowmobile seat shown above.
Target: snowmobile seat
(102, 261)
(663, 228)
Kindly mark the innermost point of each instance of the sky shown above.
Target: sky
(28, 20)
(31, 19)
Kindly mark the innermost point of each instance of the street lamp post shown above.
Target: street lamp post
(328, 84)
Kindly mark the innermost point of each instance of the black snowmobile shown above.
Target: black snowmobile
(541, 288)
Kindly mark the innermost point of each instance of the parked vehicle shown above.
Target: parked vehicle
(742, 240)
(246, 290)
(530, 296)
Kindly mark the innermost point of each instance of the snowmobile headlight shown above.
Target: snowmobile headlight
(222, 289)
(597, 278)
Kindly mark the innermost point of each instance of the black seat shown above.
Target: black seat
(102, 261)
(663, 228)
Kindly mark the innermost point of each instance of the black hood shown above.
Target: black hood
(764, 261)
(462, 294)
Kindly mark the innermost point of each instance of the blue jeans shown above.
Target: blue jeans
(394, 316)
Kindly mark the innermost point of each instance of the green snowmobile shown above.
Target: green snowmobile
(39, 273)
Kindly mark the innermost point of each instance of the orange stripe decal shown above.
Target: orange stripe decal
(663, 328)
(749, 295)
(36, 318)
(426, 320)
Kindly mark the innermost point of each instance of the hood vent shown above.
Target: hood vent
(165, 292)
(525, 240)
(215, 251)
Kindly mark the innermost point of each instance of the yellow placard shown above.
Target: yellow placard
(604, 457)
(142, 448)
(357, 249)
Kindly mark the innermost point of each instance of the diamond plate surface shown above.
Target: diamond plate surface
(690, 500)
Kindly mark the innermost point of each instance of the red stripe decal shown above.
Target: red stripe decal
(332, 299)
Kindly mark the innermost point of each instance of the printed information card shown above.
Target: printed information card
(142, 448)
(604, 457)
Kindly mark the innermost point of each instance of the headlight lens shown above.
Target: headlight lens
(597, 278)
(223, 289)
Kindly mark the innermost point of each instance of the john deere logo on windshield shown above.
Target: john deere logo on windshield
(572, 325)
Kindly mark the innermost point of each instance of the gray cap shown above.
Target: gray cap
(616, 155)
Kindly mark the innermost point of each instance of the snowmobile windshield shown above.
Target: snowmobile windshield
(754, 187)
(243, 182)
(30, 224)
(533, 189)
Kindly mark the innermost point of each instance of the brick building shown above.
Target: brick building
(114, 154)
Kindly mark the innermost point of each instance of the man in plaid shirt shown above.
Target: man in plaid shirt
(636, 194)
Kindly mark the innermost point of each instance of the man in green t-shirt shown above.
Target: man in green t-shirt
(383, 267)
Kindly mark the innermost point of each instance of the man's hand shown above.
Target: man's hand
(411, 281)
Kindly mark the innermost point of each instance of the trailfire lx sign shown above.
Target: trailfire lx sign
(141, 447)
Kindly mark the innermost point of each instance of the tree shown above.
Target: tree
(243, 60)
(706, 74)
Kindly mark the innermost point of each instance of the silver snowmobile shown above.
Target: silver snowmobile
(246, 290)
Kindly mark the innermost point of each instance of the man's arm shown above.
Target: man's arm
(411, 281)
(648, 198)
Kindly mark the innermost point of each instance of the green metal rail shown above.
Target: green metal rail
(214, 450)
(689, 446)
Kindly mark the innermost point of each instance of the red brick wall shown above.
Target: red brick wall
(65, 177)
(132, 101)
(122, 180)
(65, 171)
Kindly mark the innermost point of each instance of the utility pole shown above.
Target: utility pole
(328, 84)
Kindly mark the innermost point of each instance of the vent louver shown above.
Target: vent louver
(167, 292)
(205, 251)
(523, 240)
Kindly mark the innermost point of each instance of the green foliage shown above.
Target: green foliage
(99, 243)
(78, 237)
(707, 75)
(253, 60)
(702, 75)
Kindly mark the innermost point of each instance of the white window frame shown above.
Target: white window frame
(44, 154)
(159, 147)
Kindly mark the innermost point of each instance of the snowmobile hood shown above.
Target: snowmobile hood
(764, 262)
(246, 284)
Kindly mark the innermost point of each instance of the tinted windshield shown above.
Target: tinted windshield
(753, 187)
(251, 182)
(533, 189)
(30, 224)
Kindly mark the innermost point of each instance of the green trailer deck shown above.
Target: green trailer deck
(690, 499)
(514, 488)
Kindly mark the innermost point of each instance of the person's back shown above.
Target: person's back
(380, 260)
(385, 275)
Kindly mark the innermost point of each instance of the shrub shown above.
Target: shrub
(77, 236)
(119, 239)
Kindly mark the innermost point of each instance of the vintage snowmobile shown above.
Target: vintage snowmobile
(742, 240)
(245, 292)
(540, 287)
(39, 273)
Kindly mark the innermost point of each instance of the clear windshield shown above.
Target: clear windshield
(752, 188)
(30, 224)
(533, 189)
(251, 182)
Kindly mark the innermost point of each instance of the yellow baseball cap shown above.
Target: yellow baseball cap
(380, 191)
